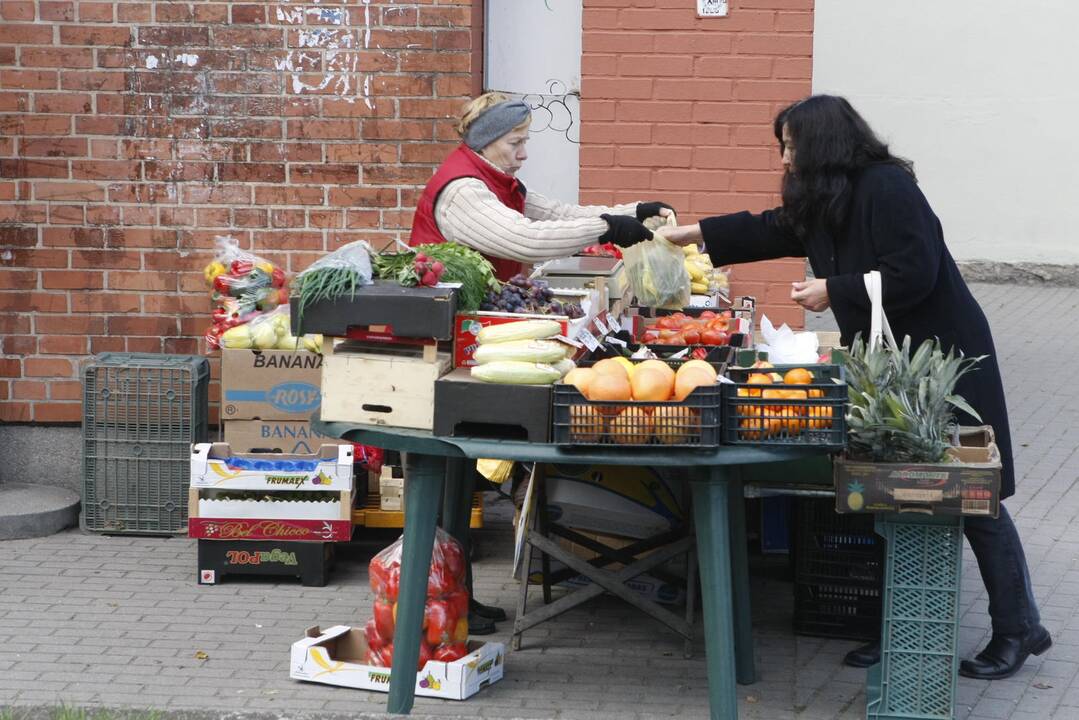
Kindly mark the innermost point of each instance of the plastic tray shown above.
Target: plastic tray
(750, 418)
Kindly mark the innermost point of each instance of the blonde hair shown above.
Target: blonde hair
(477, 106)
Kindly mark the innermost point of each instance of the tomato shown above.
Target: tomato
(458, 603)
(692, 337)
(678, 315)
(426, 653)
(718, 323)
(676, 339)
(650, 336)
(714, 337)
(666, 323)
(449, 653)
(707, 314)
(374, 639)
(454, 558)
(384, 618)
(440, 623)
(460, 631)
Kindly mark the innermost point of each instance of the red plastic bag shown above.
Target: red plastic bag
(242, 286)
(368, 456)
(445, 616)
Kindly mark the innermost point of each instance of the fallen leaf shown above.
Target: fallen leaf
(200, 655)
(1042, 686)
(751, 698)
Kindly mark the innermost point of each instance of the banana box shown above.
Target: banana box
(335, 656)
(214, 465)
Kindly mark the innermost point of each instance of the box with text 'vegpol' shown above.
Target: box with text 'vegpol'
(270, 384)
(336, 657)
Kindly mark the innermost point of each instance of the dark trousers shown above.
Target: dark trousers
(1003, 567)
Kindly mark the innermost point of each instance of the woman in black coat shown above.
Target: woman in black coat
(852, 207)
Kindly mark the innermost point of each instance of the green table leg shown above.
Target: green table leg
(710, 496)
(457, 499)
(425, 475)
(743, 625)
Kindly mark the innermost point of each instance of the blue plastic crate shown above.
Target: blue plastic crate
(917, 676)
(141, 414)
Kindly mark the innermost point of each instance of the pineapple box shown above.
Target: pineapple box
(969, 484)
(335, 656)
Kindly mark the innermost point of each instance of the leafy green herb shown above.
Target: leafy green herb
(463, 265)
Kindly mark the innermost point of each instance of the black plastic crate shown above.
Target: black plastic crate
(718, 356)
(837, 611)
(838, 572)
(693, 422)
(761, 414)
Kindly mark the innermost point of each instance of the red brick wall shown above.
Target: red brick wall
(680, 109)
(122, 157)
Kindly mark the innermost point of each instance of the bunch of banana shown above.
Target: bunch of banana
(699, 267)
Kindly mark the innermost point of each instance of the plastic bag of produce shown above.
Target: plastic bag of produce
(242, 286)
(657, 273)
(335, 275)
(445, 616)
(269, 331)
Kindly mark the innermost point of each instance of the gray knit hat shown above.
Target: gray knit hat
(495, 122)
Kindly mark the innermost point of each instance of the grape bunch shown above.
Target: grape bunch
(524, 295)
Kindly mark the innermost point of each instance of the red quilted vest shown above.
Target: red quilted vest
(463, 162)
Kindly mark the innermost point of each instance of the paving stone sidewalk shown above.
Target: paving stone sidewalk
(119, 622)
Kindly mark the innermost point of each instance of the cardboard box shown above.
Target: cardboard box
(970, 485)
(391, 492)
(381, 385)
(634, 502)
(270, 529)
(470, 408)
(214, 465)
(421, 312)
(336, 657)
(309, 561)
(468, 325)
(284, 436)
(270, 384)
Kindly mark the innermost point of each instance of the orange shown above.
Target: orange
(699, 364)
(687, 381)
(675, 425)
(633, 427)
(759, 379)
(651, 385)
(611, 387)
(657, 365)
(611, 366)
(586, 423)
(580, 378)
(798, 376)
(816, 393)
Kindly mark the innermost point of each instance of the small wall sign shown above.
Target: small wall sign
(711, 8)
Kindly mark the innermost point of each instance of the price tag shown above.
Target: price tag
(612, 323)
(601, 327)
(588, 339)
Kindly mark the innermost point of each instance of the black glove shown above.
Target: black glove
(624, 231)
(650, 209)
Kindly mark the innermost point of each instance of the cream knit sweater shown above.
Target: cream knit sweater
(467, 212)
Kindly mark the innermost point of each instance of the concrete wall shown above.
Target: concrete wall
(981, 97)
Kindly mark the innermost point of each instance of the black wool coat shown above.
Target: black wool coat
(891, 228)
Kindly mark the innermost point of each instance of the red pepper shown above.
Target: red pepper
(426, 653)
(277, 278)
(449, 653)
(374, 639)
(384, 618)
(222, 283)
(241, 267)
(440, 624)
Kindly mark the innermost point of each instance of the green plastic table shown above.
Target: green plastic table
(716, 479)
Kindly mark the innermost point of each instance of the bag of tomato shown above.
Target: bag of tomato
(445, 616)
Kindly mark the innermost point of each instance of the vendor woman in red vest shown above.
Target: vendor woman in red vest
(474, 198)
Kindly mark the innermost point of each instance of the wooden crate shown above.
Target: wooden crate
(381, 384)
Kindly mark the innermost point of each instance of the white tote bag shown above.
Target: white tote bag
(878, 321)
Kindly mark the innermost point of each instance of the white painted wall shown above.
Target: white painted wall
(983, 97)
(533, 49)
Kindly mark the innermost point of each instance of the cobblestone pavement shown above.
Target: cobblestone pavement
(120, 621)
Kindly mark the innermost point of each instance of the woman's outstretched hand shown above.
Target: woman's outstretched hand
(811, 294)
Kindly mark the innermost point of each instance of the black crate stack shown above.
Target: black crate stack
(838, 572)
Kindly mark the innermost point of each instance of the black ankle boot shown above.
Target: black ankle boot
(1005, 654)
(863, 656)
(486, 611)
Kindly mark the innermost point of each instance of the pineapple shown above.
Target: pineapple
(855, 501)
(901, 405)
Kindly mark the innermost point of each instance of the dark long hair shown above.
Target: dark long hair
(832, 143)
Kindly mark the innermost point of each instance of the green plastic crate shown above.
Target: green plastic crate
(141, 414)
(917, 676)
